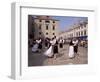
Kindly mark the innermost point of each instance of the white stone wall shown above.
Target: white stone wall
(75, 32)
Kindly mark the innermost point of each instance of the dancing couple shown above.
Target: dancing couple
(37, 46)
(73, 48)
(52, 51)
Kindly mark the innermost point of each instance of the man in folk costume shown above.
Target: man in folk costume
(75, 42)
(61, 42)
(55, 47)
(46, 42)
(39, 41)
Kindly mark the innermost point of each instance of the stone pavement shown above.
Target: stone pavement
(38, 59)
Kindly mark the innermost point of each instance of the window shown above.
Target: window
(53, 27)
(46, 33)
(76, 34)
(47, 21)
(81, 33)
(84, 32)
(72, 35)
(46, 27)
(85, 23)
(39, 33)
(53, 33)
(40, 27)
(82, 27)
(53, 21)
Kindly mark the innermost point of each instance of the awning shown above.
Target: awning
(83, 37)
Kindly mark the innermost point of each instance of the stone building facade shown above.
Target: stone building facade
(79, 30)
(45, 26)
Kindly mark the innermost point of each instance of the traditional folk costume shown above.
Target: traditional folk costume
(55, 46)
(75, 46)
(49, 51)
(53, 49)
(35, 48)
(61, 43)
(39, 44)
(71, 50)
(47, 42)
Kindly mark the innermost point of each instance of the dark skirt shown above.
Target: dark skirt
(40, 46)
(46, 44)
(55, 49)
(61, 45)
(75, 49)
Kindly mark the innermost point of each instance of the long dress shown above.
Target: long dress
(71, 50)
(61, 43)
(49, 52)
(46, 43)
(75, 46)
(40, 45)
(35, 48)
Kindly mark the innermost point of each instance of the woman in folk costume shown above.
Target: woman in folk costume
(55, 47)
(49, 52)
(61, 43)
(35, 47)
(39, 41)
(71, 50)
(47, 42)
(75, 42)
